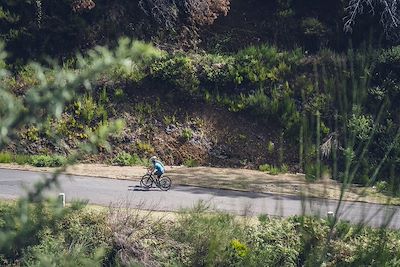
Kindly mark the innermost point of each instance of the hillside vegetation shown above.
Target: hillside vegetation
(124, 237)
(259, 106)
(309, 86)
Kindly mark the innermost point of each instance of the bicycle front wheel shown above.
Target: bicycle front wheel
(164, 183)
(146, 181)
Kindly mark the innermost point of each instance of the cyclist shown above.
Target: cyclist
(158, 168)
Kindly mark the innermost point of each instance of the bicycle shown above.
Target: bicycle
(147, 181)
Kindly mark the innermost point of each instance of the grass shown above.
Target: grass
(126, 159)
(34, 160)
(191, 163)
(21, 159)
(273, 170)
(47, 161)
(5, 157)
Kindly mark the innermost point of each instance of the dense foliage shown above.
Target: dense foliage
(123, 237)
(350, 97)
(33, 29)
(333, 111)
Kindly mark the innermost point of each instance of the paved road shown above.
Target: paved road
(116, 192)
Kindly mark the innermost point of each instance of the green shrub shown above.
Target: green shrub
(382, 186)
(6, 210)
(23, 80)
(31, 134)
(215, 69)
(80, 239)
(136, 160)
(143, 108)
(270, 147)
(390, 57)
(5, 157)
(313, 27)
(47, 161)
(237, 252)
(284, 168)
(263, 64)
(313, 233)
(208, 235)
(263, 218)
(169, 119)
(85, 108)
(145, 148)
(361, 126)
(270, 169)
(87, 227)
(126, 159)
(191, 163)
(177, 70)
(273, 242)
(187, 134)
(119, 94)
(122, 159)
(22, 159)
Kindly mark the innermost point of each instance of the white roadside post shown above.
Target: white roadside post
(61, 199)
(330, 214)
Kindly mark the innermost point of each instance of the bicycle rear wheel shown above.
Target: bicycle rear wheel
(146, 181)
(164, 183)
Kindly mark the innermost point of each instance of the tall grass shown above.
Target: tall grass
(348, 147)
(22, 159)
(5, 157)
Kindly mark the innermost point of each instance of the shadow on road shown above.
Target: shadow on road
(141, 189)
(232, 193)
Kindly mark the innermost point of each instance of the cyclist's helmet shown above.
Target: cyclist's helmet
(153, 159)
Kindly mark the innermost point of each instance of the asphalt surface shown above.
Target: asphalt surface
(109, 192)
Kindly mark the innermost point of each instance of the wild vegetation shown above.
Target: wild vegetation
(296, 95)
(125, 237)
(285, 88)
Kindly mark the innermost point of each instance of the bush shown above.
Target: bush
(87, 110)
(361, 126)
(79, 239)
(126, 159)
(122, 159)
(284, 168)
(390, 57)
(191, 163)
(177, 70)
(187, 134)
(313, 27)
(215, 70)
(47, 161)
(270, 147)
(145, 148)
(382, 186)
(273, 242)
(5, 157)
(208, 235)
(270, 169)
(22, 159)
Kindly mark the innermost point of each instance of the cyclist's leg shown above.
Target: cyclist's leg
(158, 174)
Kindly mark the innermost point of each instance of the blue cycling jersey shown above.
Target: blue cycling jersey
(159, 167)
